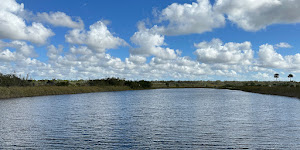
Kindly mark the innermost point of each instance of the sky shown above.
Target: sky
(151, 39)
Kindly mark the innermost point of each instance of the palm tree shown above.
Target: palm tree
(276, 75)
(290, 76)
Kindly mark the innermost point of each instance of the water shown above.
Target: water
(152, 119)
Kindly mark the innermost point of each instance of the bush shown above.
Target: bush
(12, 80)
(132, 84)
(62, 83)
(138, 84)
(107, 82)
(145, 84)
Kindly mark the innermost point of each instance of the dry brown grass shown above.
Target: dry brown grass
(279, 90)
(15, 92)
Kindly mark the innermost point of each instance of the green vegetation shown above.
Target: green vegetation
(12, 86)
(14, 92)
(282, 88)
(12, 80)
(120, 82)
(279, 90)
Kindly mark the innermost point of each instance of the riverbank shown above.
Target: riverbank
(280, 91)
(12, 86)
(280, 88)
(17, 92)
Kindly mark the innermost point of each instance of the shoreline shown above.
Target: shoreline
(292, 92)
(19, 92)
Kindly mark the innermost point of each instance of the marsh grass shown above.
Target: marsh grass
(290, 89)
(279, 90)
(12, 86)
(15, 92)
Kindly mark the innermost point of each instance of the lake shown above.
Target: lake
(152, 119)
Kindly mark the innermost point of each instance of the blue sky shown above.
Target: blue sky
(151, 40)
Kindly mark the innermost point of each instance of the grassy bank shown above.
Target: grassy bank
(290, 89)
(281, 91)
(12, 86)
(19, 91)
(16, 92)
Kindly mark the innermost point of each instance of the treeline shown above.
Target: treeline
(12, 80)
(120, 82)
(222, 84)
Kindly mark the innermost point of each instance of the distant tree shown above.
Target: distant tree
(290, 76)
(11, 80)
(276, 76)
(62, 83)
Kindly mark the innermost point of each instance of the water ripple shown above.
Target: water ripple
(151, 119)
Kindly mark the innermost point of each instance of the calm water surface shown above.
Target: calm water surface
(152, 119)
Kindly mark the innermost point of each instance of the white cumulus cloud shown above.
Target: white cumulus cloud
(283, 45)
(197, 17)
(21, 48)
(7, 55)
(59, 19)
(269, 58)
(230, 53)
(151, 44)
(98, 38)
(253, 15)
(13, 26)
